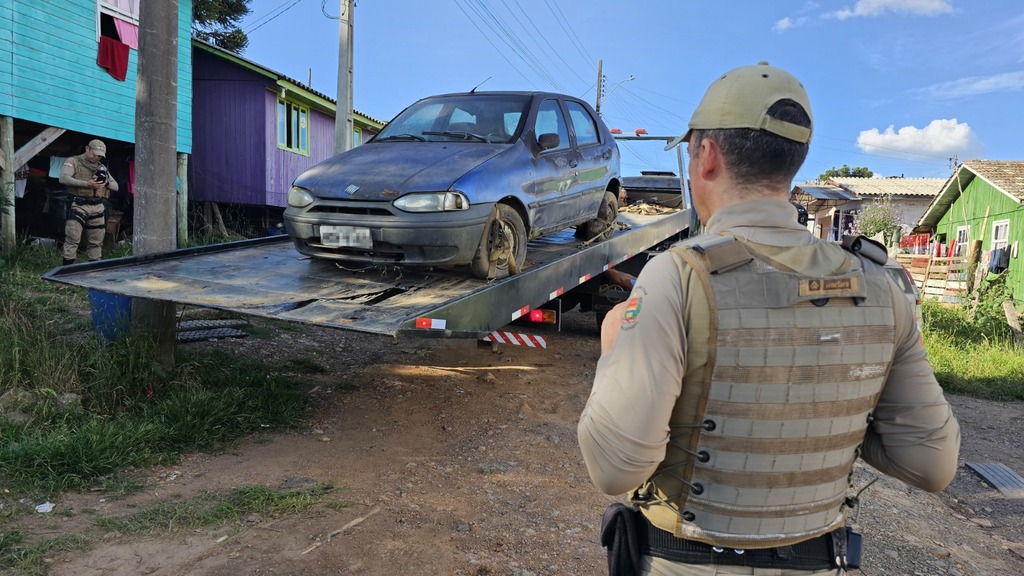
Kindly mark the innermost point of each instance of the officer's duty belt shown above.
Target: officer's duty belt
(814, 554)
(91, 201)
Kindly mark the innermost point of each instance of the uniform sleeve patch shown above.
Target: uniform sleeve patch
(632, 312)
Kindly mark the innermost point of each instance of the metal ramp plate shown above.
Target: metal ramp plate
(186, 325)
(1000, 477)
(187, 336)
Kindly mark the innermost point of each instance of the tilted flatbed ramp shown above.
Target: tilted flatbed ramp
(266, 277)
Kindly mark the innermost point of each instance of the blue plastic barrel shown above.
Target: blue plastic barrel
(111, 314)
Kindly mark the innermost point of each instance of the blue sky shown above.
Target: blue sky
(899, 86)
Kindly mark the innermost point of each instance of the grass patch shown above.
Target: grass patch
(305, 366)
(19, 559)
(973, 355)
(76, 413)
(213, 509)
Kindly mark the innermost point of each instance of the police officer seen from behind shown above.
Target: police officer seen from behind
(89, 184)
(752, 365)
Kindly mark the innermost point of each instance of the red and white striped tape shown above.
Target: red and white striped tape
(516, 339)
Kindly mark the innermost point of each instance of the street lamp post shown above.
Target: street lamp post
(617, 84)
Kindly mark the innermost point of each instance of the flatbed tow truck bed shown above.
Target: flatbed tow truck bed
(267, 277)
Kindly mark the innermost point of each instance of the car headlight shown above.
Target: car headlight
(299, 197)
(433, 202)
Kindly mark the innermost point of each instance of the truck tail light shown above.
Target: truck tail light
(541, 316)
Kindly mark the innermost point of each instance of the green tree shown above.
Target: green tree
(880, 216)
(846, 172)
(216, 22)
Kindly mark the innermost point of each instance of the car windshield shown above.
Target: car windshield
(489, 118)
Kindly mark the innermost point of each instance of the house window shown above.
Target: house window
(292, 127)
(127, 10)
(118, 19)
(1000, 234)
(963, 234)
(357, 137)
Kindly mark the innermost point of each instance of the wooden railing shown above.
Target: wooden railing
(942, 279)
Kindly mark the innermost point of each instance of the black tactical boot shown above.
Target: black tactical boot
(69, 261)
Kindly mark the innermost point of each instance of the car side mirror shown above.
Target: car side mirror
(548, 141)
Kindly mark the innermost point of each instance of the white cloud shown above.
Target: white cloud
(783, 25)
(976, 85)
(940, 138)
(879, 7)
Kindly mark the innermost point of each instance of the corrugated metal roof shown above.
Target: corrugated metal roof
(870, 187)
(217, 49)
(825, 192)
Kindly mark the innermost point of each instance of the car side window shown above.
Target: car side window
(550, 120)
(583, 124)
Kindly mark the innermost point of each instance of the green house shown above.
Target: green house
(982, 202)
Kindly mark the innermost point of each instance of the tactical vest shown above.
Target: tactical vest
(761, 449)
(85, 171)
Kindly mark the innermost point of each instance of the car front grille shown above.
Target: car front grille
(353, 208)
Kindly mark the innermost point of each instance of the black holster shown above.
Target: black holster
(620, 538)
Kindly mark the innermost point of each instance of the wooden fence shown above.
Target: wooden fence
(942, 279)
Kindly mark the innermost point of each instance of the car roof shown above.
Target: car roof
(532, 93)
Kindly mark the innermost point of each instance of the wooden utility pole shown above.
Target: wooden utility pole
(600, 88)
(156, 120)
(343, 121)
(7, 168)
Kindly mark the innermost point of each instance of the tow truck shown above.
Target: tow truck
(267, 277)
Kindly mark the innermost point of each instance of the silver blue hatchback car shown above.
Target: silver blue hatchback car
(462, 179)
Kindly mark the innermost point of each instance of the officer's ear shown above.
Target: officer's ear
(708, 159)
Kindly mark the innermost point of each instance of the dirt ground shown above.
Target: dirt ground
(463, 460)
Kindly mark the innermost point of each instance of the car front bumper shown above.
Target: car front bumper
(424, 239)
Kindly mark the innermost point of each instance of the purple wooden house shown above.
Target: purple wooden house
(254, 130)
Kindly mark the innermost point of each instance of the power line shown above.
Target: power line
(269, 18)
(573, 38)
(488, 39)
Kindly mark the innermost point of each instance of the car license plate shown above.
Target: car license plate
(345, 237)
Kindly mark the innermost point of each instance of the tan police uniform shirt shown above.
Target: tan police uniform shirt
(624, 427)
(75, 178)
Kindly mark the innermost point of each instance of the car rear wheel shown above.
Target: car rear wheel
(502, 249)
(603, 226)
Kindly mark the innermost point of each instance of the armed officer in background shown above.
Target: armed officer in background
(752, 365)
(89, 184)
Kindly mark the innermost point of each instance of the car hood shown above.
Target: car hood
(386, 170)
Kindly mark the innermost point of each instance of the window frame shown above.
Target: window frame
(1003, 242)
(575, 110)
(561, 128)
(131, 15)
(295, 128)
(960, 245)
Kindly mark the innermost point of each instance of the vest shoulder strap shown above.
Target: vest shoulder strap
(721, 253)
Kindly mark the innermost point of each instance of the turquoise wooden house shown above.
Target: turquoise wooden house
(983, 201)
(67, 75)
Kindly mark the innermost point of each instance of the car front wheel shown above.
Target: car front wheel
(502, 249)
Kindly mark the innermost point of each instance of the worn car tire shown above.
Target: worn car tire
(602, 227)
(504, 242)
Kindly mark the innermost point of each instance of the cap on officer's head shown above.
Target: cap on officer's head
(741, 99)
(98, 147)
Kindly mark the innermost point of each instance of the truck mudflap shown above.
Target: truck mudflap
(266, 277)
